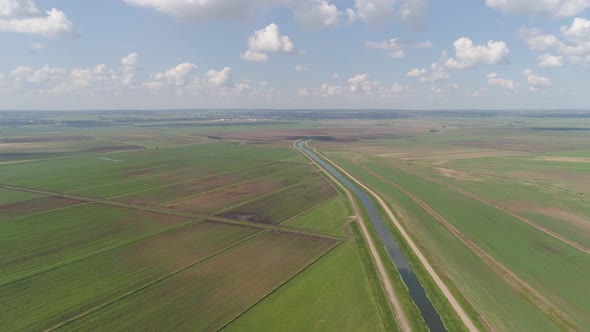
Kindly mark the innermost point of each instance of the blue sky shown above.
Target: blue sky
(411, 54)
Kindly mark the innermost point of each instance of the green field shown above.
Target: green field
(178, 221)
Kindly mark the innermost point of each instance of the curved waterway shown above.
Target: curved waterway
(402, 265)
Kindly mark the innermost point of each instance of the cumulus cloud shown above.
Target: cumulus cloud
(55, 23)
(558, 8)
(573, 45)
(493, 79)
(316, 13)
(329, 90)
(178, 76)
(358, 85)
(301, 68)
(17, 7)
(550, 61)
(181, 79)
(36, 47)
(220, 78)
(410, 11)
(468, 55)
(397, 88)
(416, 72)
(130, 67)
(535, 81)
(267, 40)
(312, 13)
(435, 73)
(397, 46)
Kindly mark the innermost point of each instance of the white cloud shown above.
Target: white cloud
(578, 31)
(468, 55)
(436, 89)
(329, 90)
(181, 80)
(267, 40)
(358, 86)
(558, 8)
(573, 46)
(493, 79)
(301, 68)
(17, 7)
(54, 24)
(398, 88)
(410, 11)
(316, 13)
(36, 46)
(312, 13)
(221, 78)
(416, 72)
(550, 61)
(537, 40)
(130, 67)
(397, 46)
(436, 73)
(535, 81)
(43, 75)
(179, 76)
(303, 92)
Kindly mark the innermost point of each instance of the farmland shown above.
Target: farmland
(176, 222)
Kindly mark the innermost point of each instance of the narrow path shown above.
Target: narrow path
(429, 269)
(543, 229)
(504, 272)
(165, 211)
(394, 301)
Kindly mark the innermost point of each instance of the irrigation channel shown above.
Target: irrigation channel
(401, 263)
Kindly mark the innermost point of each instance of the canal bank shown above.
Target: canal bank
(396, 255)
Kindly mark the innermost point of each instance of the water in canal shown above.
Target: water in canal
(402, 265)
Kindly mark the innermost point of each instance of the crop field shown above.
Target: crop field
(302, 197)
(503, 216)
(166, 221)
(141, 227)
(209, 295)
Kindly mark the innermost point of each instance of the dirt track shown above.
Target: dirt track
(438, 281)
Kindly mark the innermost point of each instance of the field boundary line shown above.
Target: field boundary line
(531, 294)
(541, 228)
(287, 229)
(438, 281)
(284, 283)
(396, 306)
(139, 289)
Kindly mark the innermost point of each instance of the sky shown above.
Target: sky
(282, 54)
